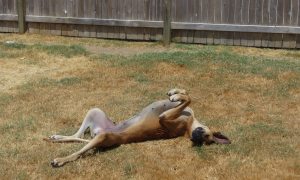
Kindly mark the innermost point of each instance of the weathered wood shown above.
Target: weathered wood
(279, 17)
(265, 14)
(275, 41)
(217, 38)
(225, 11)
(217, 12)
(34, 28)
(260, 23)
(210, 37)
(287, 12)
(289, 41)
(21, 15)
(236, 39)
(265, 39)
(8, 17)
(257, 39)
(175, 25)
(227, 38)
(295, 12)
(200, 37)
(236, 28)
(258, 12)
(167, 22)
(298, 41)
(252, 11)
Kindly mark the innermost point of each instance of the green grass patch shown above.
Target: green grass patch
(20, 124)
(15, 45)
(139, 77)
(5, 99)
(60, 50)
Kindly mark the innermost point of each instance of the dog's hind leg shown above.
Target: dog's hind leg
(101, 140)
(96, 121)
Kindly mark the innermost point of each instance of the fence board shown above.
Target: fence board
(298, 41)
(237, 22)
(294, 12)
(287, 12)
(265, 12)
(252, 11)
(289, 41)
(273, 12)
(200, 37)
(279, 20)
(217, 11)
(204, 9)
(275, 41)
(1, 7)
(265, 40)
(257, 39)
(225, 11)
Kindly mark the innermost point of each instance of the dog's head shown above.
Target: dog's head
(202, 135)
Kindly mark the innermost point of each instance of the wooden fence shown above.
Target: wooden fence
(259, 23)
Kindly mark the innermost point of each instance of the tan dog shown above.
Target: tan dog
(160, 120)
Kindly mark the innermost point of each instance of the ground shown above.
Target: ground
(48, 83)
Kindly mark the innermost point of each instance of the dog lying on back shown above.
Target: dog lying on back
(163, 119)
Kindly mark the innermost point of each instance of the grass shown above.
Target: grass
(49, 83)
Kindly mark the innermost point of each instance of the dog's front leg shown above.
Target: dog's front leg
(176, 112)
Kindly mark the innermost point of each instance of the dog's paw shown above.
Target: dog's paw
(176, 91)
(56, 163)
(175, 98)
(53, 138)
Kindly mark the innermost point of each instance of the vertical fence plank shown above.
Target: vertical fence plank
(252, 12)
(266, 10)
(211, 11)
(295, 12)
(217, 11)
(1, 12)
(298, 14)
(238, 12)
(279, 17)
(200, 37)
(225, 11)
(231, 15)
(204, 11)
(167, 22)
(287, 12)
(21, 16)
(1, 7)
(289, 41)
(275, 39)
(5, 9)
(298, 41)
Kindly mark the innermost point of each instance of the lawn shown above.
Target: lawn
(48, 83)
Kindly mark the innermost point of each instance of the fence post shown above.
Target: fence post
(21, 8)
(167, 22)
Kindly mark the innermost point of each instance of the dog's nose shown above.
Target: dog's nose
(200, 129)
(198, 136)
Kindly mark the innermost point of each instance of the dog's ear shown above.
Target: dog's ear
(220, 138)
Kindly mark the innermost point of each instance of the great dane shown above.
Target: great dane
(163, 119)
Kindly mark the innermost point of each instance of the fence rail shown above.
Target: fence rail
(261, 23)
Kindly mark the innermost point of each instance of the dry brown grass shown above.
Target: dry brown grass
(240, 91)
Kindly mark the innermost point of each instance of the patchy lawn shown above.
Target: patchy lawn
(48, 83)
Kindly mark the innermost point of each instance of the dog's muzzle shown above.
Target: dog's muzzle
(198, 136)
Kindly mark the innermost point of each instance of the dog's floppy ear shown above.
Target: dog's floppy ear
(220, 138)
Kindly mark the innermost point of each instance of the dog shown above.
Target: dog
(162, 119)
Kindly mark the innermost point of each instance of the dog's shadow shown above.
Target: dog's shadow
(99, 150)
